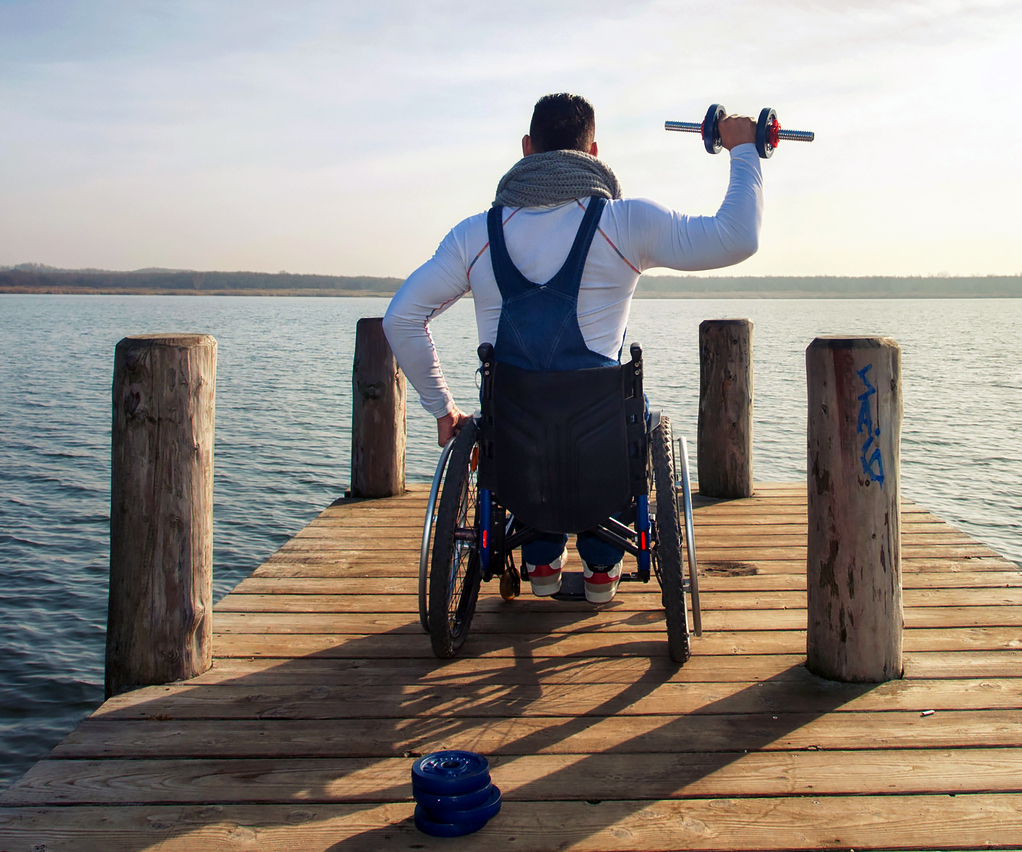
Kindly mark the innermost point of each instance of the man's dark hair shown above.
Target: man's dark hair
(563, 122)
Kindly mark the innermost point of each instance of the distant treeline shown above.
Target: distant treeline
(823, 287)
(33, 278)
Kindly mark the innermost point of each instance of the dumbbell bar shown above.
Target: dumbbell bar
(768, 130)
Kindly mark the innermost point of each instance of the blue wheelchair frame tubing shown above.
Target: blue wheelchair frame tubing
(642, 523)
(485, 532)
(642, 526)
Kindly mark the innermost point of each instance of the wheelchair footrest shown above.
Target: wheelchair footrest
(573, 587)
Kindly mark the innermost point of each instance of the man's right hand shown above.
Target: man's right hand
(736, 130)
(449, 425)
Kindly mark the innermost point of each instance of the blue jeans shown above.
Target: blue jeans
(592, 550)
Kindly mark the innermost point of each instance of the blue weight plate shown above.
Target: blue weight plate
(486, 811)
(766, 118)
(445, 829)
(450, 773)
(463, 802)
(710, 133)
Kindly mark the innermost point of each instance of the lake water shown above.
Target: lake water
(283, 414)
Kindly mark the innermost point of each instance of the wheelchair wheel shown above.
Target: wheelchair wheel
(667, 555)
(426, 549)
(455, 571)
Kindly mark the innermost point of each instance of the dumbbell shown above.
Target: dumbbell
(768, 131)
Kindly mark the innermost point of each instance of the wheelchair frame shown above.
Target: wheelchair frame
(469, 537)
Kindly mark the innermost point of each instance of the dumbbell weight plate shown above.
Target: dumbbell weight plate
(450, 773)
(486, 810)
(446, 829)
(437, 805)
(710, 132)
(766, 133)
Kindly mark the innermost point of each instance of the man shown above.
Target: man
(560, 234)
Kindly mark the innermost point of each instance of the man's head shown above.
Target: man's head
(561, 122)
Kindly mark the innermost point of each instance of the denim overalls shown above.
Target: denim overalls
(538, 330)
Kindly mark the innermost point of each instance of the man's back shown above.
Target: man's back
(634, 235)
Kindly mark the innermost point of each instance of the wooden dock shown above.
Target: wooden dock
(324, 689)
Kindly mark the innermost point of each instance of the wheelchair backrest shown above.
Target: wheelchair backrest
(563, 450)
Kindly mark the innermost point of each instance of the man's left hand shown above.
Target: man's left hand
(449, 425)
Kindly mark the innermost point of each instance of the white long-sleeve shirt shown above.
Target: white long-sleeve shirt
(634, 235)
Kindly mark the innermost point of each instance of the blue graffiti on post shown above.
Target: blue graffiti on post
(872, 463)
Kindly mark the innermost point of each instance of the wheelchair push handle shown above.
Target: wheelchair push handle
(485, 352)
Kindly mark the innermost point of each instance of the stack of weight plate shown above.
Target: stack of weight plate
(453, 793)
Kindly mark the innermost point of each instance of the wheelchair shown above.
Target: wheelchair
(555, 452)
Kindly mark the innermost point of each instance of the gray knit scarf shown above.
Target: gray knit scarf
(554, 177)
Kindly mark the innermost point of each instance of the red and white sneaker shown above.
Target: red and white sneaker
(601, 581)
(546, 579)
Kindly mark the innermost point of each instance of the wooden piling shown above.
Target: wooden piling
(724, 432)
(853, 566)
(378, 415)
(161, 510)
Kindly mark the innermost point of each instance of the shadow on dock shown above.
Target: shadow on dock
(349, 735)
(324, 691)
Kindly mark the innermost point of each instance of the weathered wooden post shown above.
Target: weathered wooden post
(161, 510)
(853, 569)
(724, 431)
(378, 427)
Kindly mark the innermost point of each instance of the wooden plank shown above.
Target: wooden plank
(521, 621)
(791, 520)
(498, 699)
(407, 548)
(793, 517)
(631, 598)
(593, 645)
(469, 669)
(908, 551)
(381, 566)
(701, 668)
(99, 738)
(974, 821)
(784, 538)
(381, 586)
(534, 778)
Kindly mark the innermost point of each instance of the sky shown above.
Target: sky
(347, 137)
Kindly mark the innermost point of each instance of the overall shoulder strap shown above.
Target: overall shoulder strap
(509, 279)
(569, 276)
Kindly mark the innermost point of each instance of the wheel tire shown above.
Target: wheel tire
(454, 570)
(667, 554)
